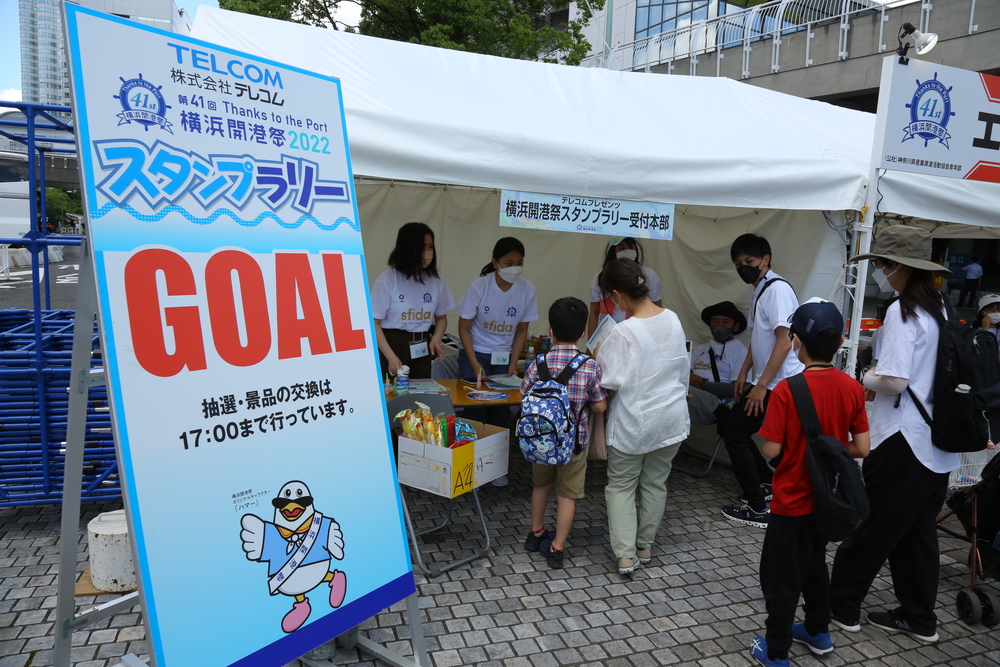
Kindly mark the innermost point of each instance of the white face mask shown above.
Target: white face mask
(510, 273)
(627, 254)
(428, 258)
(994, 318)
(882, 279)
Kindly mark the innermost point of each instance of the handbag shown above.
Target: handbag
(597, 450)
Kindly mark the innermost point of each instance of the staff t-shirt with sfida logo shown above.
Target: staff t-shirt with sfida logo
(495, 314)
(404, 303)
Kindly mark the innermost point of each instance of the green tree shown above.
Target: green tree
(521, 29)
(320, 13)
(524, 29)
(60, 202)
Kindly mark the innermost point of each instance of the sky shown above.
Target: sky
(10, 51)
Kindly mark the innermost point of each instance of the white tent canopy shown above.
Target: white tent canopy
(735, 158)
(939, 198)
(426, 114)
(965, 232)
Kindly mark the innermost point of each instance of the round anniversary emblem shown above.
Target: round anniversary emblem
(930, 111)
(142, 103)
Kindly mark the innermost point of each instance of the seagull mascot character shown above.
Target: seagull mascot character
(299, 546)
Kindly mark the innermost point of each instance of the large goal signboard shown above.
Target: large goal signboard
(238, 343)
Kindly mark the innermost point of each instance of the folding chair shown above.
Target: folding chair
(711, 461)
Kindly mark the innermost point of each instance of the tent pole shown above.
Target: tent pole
(865, 229)
(850, 280)
(862, 244)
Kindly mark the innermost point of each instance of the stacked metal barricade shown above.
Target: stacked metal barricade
(33, 410)
(36, 348)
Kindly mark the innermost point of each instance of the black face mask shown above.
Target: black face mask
(721, 334)
(749, 274)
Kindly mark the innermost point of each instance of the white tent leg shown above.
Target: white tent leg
(863, 243)
(864, 230)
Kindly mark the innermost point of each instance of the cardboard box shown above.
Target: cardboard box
(452, 472)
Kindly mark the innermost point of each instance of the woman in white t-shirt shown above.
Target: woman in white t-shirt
(620, 247)
(410, 304)
(645, 362)
(906, 476)
(493, 320)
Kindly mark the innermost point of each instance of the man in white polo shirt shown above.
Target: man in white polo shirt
(970, 288)
(772, 360)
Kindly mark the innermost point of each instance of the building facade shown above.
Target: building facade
(44, 73)
(828, 50)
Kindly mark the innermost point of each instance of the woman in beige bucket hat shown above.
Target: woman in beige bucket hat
(906, 476)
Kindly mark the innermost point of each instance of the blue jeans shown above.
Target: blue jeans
(496, 415)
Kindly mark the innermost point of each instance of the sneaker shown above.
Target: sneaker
(500, 481)
(765, 488)
(745, 514)
(627, 565)
(533, 542)
(819, 644)
(844, 625)
(758, 649)
(644, 555)
(555, 558)
(891, 622)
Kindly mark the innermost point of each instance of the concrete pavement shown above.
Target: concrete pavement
(697, 603)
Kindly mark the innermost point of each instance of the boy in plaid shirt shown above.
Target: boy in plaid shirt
(567, 322)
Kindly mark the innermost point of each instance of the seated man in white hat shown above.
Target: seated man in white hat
(715, 365)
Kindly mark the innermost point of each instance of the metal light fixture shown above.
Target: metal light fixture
(922, 42)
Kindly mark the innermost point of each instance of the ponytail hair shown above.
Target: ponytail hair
(920, 292)
(624, 276)
(503, 247)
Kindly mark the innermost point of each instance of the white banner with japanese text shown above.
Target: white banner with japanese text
(941, 121)
(248, 409)
(587, 215)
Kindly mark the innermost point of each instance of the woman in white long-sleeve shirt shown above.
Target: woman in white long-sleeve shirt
(644, 361)
(906, 476)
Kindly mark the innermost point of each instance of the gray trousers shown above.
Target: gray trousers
(627, 474)
(702, 406)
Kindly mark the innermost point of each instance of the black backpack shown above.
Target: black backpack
(966, 355)
(840, 502)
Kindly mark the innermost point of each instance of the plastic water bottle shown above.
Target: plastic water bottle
(530, 356)
(403, 381)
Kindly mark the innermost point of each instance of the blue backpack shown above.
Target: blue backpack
(547, 430)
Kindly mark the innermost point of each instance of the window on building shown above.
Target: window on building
(653, 17)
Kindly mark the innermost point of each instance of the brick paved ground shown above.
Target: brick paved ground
(697, 603)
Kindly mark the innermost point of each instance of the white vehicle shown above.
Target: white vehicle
(14, 197)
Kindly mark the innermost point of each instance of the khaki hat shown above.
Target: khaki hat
(907, 245)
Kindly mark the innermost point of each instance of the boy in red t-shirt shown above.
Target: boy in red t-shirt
(793, 559)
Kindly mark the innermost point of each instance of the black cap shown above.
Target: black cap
(726, 309)
(814, 317)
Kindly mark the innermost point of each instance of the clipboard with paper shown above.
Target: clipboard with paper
(604, 328)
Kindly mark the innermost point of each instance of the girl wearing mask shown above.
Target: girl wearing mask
(906, 476)
(989, 314)
(645, 362)
(621, 247)
(410, 304)
(493, 321)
